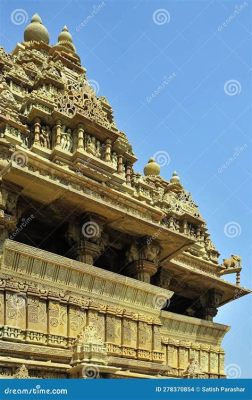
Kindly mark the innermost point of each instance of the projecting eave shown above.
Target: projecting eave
(190, 282)
(123, 213)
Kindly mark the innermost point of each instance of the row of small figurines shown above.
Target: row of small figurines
(91, 144)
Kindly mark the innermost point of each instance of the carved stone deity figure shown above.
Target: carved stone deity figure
(114, 159)
(66, 141)
(25, 140)
(91, 145)
(63, 138)
(132, 254)
(69, 140)
(150, 252)
(44, 137)
(193, 370)
(89, 347)
(22, 372)
(98, 149)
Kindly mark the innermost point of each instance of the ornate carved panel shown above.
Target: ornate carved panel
(16, 304)
(37, 318)
(57, 318)
(77, 320)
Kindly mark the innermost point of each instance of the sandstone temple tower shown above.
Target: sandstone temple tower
(104, 272)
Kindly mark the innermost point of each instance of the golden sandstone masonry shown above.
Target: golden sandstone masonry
(104, 272)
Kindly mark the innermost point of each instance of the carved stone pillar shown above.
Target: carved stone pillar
(206, 305)
(120, 164)
(91, 246)
(80, 145)
(185, 227)
(128, 174)
(221, 363)
(142, 260)
(210, 304)
(183, 355)
(37, 128)
(108, 150)
(85, 236)
(204, 358)
(129, 337)
(142, 270)
(58, 133)
(8, 211)
(87, 252)
(172, 353)
(213, 362)
(162, 278)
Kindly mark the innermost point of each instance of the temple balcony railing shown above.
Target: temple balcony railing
(46, 300)
(39, 265)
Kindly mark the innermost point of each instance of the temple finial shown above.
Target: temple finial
(65, 41)
(175, 178)
(36, 31)
(152, 168)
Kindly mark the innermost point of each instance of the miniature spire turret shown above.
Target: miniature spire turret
(65, 41)
(152, 168)
(175, 178)
(36, 31)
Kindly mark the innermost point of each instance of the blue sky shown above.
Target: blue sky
(177, 74)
